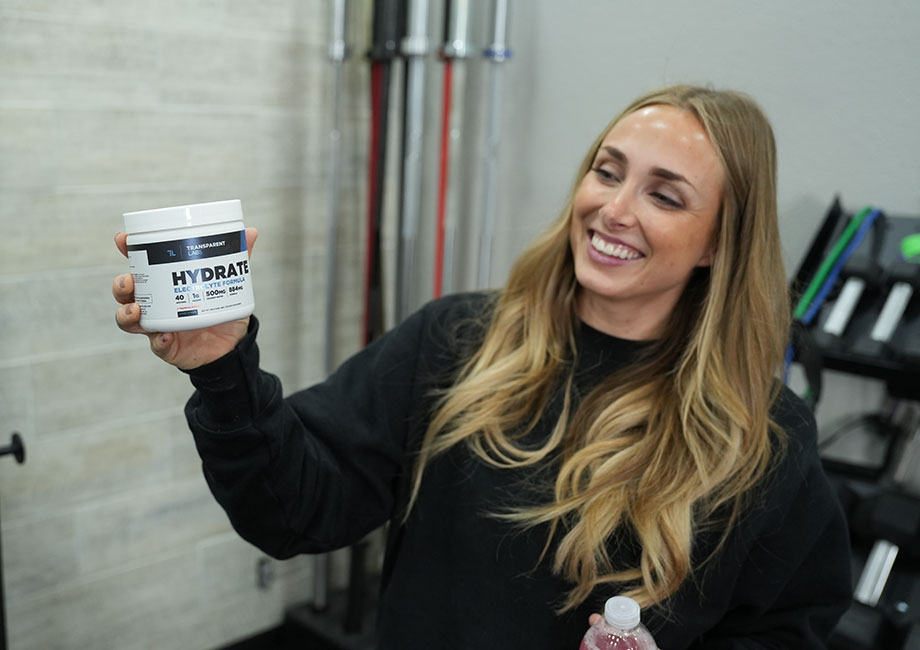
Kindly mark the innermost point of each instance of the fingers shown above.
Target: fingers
(162, 344)
(128, 316)
(594, 618)
(121, 243)
(251, 235)
(123, 288)
(128, 319)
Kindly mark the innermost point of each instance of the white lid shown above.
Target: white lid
(182, 216)
(622, 612)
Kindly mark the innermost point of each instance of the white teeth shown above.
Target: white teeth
(613, 250)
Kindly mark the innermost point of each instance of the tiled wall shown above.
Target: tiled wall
(110, 537)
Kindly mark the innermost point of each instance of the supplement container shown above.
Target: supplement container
(190, 265)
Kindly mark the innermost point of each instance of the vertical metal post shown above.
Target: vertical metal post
(338, 50)
(414, 48)
(457, 46)
(388, 30)
(498, 53)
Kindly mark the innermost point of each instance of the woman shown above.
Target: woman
(607, 423)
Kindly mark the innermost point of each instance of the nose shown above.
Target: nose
(618, 212)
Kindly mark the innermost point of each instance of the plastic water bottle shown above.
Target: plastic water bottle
(619, 629)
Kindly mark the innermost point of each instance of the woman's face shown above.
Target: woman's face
(643, 219)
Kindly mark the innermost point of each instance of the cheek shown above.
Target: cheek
(577, 222)
(582, 199)
(574, 236)
(578, 213)
(685, 240)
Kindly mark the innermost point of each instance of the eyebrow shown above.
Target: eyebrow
(660, 172)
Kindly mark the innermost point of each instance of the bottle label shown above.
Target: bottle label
(190, 277)
(605, 637)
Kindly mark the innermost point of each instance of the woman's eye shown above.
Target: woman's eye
(604, 174)
(666, 200)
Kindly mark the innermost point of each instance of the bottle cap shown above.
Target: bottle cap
(622, 612)
(182, 216)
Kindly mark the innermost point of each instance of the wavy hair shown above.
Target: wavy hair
(671, 445)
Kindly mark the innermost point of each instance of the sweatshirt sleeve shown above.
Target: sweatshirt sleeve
(317, 470)
(794, 581)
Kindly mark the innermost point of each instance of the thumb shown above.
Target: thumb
(251, 235)
(121, 243)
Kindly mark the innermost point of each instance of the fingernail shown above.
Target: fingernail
(128, 309)
(163, 339)
(121, 282)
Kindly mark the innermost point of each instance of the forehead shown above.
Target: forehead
(661, 120)
(666, 136)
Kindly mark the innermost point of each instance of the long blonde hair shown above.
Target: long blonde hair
(665, 447)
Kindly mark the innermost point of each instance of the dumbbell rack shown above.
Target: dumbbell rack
(897, 363)
(884, 518)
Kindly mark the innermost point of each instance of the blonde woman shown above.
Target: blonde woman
(609, 422)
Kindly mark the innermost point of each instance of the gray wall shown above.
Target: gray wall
(839, 80)
(110, 538)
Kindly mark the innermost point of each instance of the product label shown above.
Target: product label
(188, 277)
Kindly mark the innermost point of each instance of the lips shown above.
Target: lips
(614, 249)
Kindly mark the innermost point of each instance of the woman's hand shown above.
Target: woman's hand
(185, 350)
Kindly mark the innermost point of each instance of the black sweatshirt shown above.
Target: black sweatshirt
(321, 468)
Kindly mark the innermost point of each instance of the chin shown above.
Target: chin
(598, 287)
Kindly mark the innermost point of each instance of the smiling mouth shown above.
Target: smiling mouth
(610, 249)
